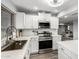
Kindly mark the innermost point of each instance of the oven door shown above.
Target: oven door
(45, 44)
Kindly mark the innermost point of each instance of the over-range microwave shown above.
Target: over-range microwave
(44, 25)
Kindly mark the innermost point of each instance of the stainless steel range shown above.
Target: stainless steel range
(45, 40)
(45, 35)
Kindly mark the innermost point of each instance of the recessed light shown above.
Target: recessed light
(35, 8)
(65, 16)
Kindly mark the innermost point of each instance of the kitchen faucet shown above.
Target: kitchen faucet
(10, 33)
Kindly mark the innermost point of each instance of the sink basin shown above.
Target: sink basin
(15, 45)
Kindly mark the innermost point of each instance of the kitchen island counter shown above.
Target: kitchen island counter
(68, 49)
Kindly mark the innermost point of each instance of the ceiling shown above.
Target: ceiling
(34, 5)
(69, 19)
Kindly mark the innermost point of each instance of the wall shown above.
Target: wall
(29, 32)
(75, 29)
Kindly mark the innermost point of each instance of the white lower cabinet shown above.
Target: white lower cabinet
(56, 39)
(34, 45)
(27, 55)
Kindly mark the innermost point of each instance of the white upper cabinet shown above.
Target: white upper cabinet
(41, 17)
(31, 22)
(35, 22)
(23, 21)
(28, 22)
(44, 17)
(19, 20)
(54, 22)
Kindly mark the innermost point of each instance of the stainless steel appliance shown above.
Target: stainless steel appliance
(45, 40)
(44, 25)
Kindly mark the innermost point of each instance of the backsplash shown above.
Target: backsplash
(29, 32)
(53, 31)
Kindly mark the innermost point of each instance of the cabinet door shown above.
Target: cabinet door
(55, 40)
(35, 22)
(27, 55)
(19, 20)
(31, 46)
(41, 16)
(27, 52)
(28, 22)
(47, 17)
(44, 17)
(62, 55)
(34, 45)
(54, 22)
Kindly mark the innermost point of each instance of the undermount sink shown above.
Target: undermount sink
(15, 45)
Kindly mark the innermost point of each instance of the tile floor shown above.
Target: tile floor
(48, 55)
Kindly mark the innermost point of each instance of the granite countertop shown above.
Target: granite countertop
(12, 55)
(17, 54)
(71, 45)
